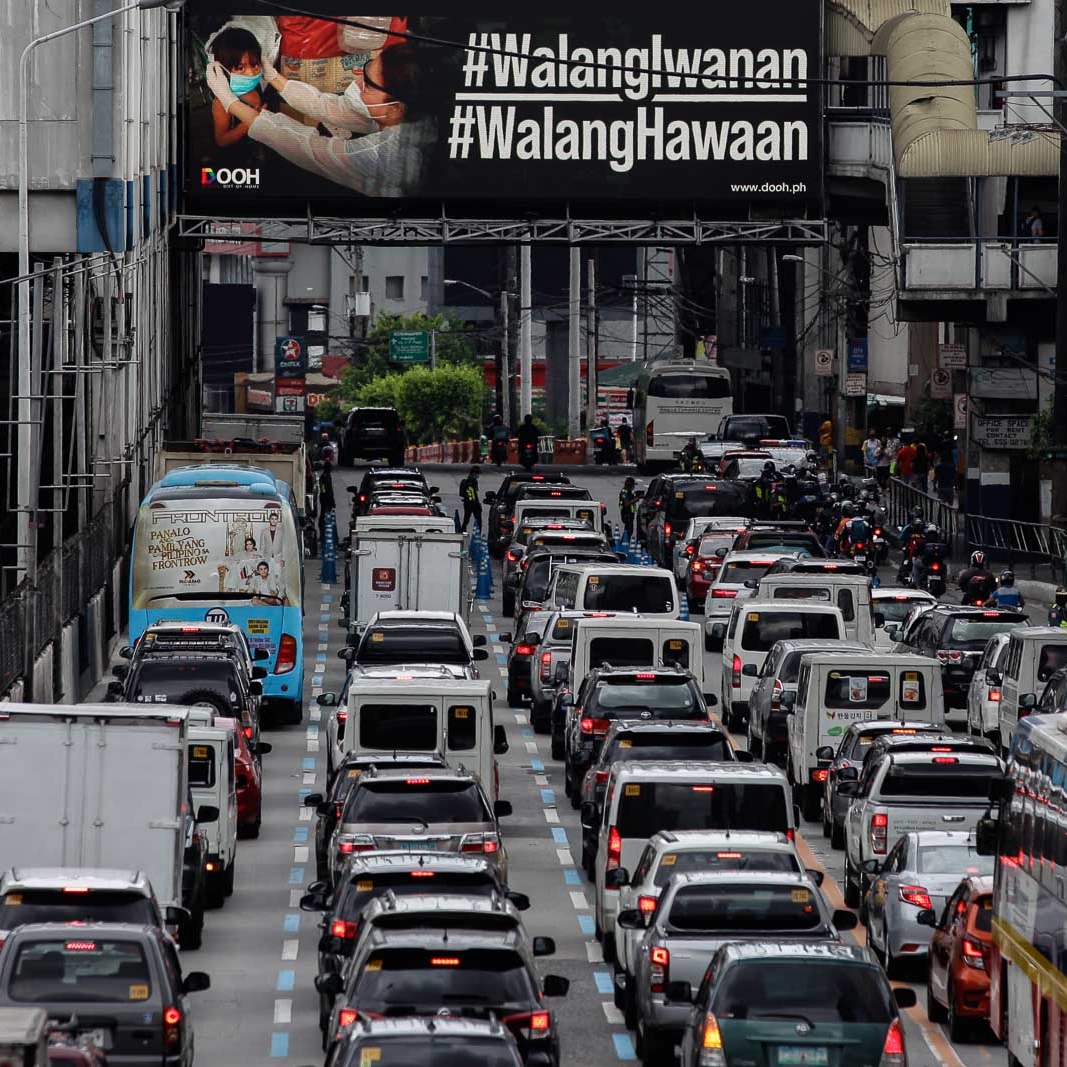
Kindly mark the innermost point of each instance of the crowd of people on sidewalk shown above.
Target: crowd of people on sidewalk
(915, 461)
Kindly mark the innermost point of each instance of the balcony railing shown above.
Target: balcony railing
(859, 140)
(993, 263)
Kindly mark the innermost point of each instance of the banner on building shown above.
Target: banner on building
(855, 385)
(952, 357)
(711, 107)
(1009, 433)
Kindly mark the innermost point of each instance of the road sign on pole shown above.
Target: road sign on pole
(824, 362)
(409, 346)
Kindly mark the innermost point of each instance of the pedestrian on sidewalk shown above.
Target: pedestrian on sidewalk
(920, 467)
(945, 478)
(872, 451)
(906, 461)
(884, 462)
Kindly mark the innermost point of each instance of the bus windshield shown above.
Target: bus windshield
(682, 385)
(243, 548)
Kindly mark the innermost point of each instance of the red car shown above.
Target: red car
(249, 776)
(704, 566)
(958, 984)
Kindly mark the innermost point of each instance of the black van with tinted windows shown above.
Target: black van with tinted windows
(372, 433)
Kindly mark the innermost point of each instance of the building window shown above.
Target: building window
(317, 319)
(424, 289)
(394, 287)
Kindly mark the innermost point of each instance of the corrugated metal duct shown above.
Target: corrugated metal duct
(851, 24)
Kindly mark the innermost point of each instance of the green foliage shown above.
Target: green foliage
(441, 404)
(933, 418)
(1041, 436)
(383, 392)
(328, 410)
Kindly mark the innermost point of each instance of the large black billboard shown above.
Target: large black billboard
(710, 108)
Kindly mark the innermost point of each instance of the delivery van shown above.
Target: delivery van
(634, 641)
(647, 591)
(850, 593)
(587, 511)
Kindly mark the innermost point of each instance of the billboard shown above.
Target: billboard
(713, 108)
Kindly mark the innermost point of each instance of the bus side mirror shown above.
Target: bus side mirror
(259, 654)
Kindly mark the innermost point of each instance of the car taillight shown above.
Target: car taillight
(994, 696)
(915, 895)
(347, 1016)
(342, 716)
(249, 732)
(546, 666)
(594, 726)
(343, 928)
(647, 905)
(893, 1049)
(529, 1023)
(614, 850)
(776, 696)
(525, 650)
(735, 674)
(879, 832)
(820, 774)
(659, 972)
(949, 655)
(723, 594)
(689, 549)
(666, 529)
(601, 776)
(878, 531)
(355, 843)
(858, 546)
(697, 566)
(486, 844)
(512, 557)
(286, 654)
(973, 956)
(172, 1028)
(711, 1052)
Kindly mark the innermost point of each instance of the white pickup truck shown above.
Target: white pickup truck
(905, 791)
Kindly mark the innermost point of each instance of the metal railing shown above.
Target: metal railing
(902, 499)
(1011, 542)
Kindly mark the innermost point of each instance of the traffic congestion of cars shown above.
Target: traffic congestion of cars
(695, 755)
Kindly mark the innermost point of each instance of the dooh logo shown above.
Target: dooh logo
(230, 178)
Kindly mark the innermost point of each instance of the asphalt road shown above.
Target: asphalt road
(260, 950)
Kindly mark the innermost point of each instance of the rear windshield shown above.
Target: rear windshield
(761, 426)
(201, 766)
(567, 540)
(622, 651)
(511, 488)
(763, 628)
(983, 915)
(83, 970)
(947, 780)
(645, 808)
(535, 584)
(739, 907)
(707, 861)
(959, 859)
(862, 742)
(712, 542)
(648, 745)
(739, 571)
(445, 1050)
(974, 631)
(419, 979)
(629, 592)
(664, 695)
(353, 898)
(541, 491)
(562, 631)
(800, 592)
(723, 498)
(1053, 657)
(895, 610)
(365, 419)
(684, 386)
(412, 644)
(773, 541)
(395, 800)
(169, 681)
(857, 689)
(412, 727)
(817, 991)
(22, 906)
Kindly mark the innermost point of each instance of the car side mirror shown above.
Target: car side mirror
(993, 676)
(256, 688)
(824, 752)
(326, 700)
(329, 985)
(313, 902)
(718, 631)
(879, 620)
(711, 699)
(750, 670)
(742, 755)
(505, 637)
(848, 774)
(905, 997)
(261, 748)
(115, 689)
(325, 809)
(818, 877)
(121, 671)
(480, 654)
(544, 946)
(176, 915)
(259, 672)
(788, 700)
(679, 993)
(207, 813)
(927, 917)
(126, 652)
(616, 878)
(1028, 700)
(489, 497)
(843, 919)
(519, 901)
(478, 641)
(196, 982)
(502, 808)
(313, 800)
(559, 676)
(260, 654)
(630, 919)
(500, 740)
(871, 867)
(848, 789)
(555, 986)
(348, 653)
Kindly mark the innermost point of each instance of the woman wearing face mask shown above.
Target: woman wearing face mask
(239, 54)
(386, 161)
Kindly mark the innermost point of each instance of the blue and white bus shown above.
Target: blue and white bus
(221, 544)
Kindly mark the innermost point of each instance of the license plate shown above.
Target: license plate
(861, 559)
(418, 846)
(802, 1056)
(99, 1038)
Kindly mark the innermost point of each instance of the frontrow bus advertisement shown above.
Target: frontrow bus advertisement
(714, 105)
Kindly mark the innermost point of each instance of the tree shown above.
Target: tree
(442, 403)
(454, 345)
(383, 392)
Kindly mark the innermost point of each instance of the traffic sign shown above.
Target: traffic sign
(940, 384)
(824, 362)
(959, 412)
(953, 357)
(409, 346)
(855, 385)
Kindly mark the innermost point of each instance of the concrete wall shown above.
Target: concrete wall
(888, 340)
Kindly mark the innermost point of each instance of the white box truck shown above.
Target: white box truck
(407, 570)
(95, 785)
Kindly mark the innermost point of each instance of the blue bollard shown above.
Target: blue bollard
(485, 580)
(683, 606)
(328, 570)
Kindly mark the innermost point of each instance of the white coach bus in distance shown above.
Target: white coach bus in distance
(672, 401)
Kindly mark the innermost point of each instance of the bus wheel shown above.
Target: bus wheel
(290, 712)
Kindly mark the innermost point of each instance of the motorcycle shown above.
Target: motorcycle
(604, 450)
(528, 455)
(933, 576)
(879, 546)
(862, 554)
(498, 452)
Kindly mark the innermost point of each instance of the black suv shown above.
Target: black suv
(956, 636)
(744, 427)
(608, 693)
(372, 433)
(397, 479)
(501, 521)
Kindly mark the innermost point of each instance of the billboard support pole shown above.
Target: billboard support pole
(590, 346)
(503, 388)
(574, 363)
(525, 333)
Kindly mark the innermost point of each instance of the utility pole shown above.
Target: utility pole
(503, 387)
(525, 332)
(511, 336)
(1058, 466)
(590, 346)
(574, 347)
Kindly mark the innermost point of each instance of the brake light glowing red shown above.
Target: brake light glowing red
(80, 946)
(422, 874)
(894, 1040)
(724, 593)
(540, 1020)
(416, 781)
(444, 961)
(614, 850)
(915, 895)
(601, 776)
(75, 889)
(703, 789)
(735, 676)
(820, 775)
(645, 676)
(342, 928)
(945, 759)
(660, 958)
(190, 629)
(546, 664)
(286, 655)
(347, 1016)
(524, 650)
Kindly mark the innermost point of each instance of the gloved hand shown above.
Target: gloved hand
(269, 70)
(218, 82)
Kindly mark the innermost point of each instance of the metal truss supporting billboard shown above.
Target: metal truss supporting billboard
(436, 231)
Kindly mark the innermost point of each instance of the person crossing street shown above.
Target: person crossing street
(472, 504)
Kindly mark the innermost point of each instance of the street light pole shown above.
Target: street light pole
(501, 391)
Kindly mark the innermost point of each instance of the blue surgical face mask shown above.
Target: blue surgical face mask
(240, 84)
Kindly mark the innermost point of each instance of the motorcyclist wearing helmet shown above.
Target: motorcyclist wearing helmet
(912, 539)
(764, 487)
(1057, 614)
(976, 582)
(1007, 594)
(528, 434)
(689, 455)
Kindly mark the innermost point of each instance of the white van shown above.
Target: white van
(647, 591)
(588, 511)
(641, 799)
(754, 627)
(634, 641)
(851, 593)
(834, 691)
(213, 781)
(1033, 656)
(453, 717)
